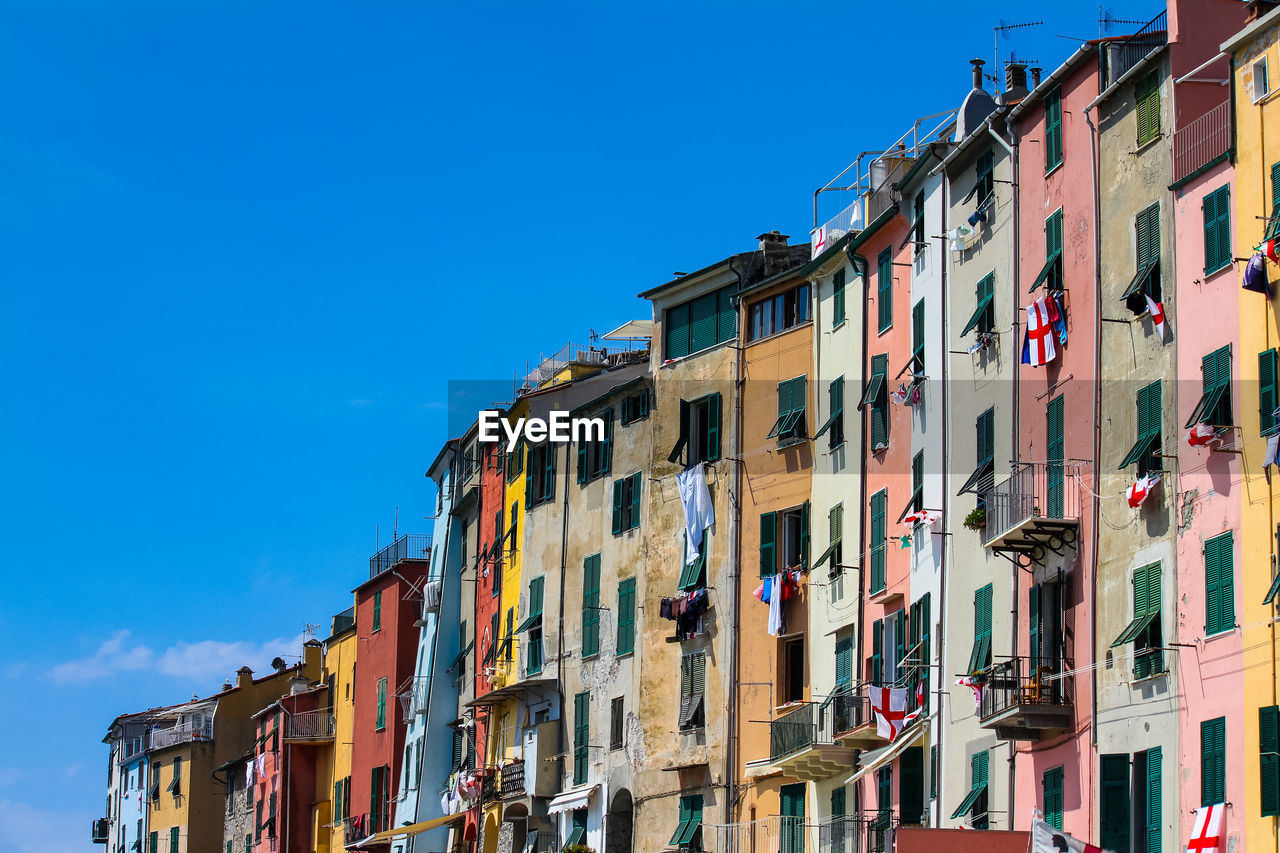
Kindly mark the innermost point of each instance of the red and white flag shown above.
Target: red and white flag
(1046, 839)
(1156, 310)
(1137, 493)
(819, 241)
(1201, 434)
(1040, 346)
(924, 516)
(976, 685)
(890, 707)
(1271, 249)
(1206, 832)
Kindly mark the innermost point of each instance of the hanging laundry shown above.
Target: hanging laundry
(958, 237)
(1200, 435)
(777, 618)
(1058, 316)
(899, 396)
(1272, 250)
(1156, 310)
(1206, 831)
(1037, 347)
(699, 516)
(976, 683)
(1272, 456)
(924, 516)
(890, 707)
(913, 396)
(762, 591)
(906, 542)
(249, 773)
(978, 347)
(1137, 493)
(1255, 276)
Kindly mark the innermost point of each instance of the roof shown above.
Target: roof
(630, 331)
(749, 266)
(617, 389)
(1251, 30)
(974, 109)
(450, 446)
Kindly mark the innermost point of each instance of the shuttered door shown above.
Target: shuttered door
(1155, 810)
(1267, 402)
(791, 799)
(1056, 454)
(1269, 759)
(1053, 798)
(581, 736)
(1036, 627)
(1114, 801)
(1213, 764)
(911, 786)
(591, 605)
(878, 501)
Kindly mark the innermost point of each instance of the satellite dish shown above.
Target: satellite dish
(277, 663)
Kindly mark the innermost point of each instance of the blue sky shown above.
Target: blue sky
(247, 245)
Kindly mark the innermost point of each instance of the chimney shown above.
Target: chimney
(977, 72)
(226, 685)
(1015, 83)
(773, 245)
(1035, 77)
(244, 677)
(312, 653)
(297, 684)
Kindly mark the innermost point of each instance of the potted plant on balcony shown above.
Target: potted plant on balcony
(976, 519)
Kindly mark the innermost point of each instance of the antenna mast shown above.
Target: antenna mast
(1000, 30)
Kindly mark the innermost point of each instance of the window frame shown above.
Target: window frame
(884, 290)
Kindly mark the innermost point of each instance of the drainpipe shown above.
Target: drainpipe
(1097, 448)
(939, 643)
(561, 741)
(735, 575)
(860, 264)
(1017, 420)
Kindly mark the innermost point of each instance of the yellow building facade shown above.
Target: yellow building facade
(333, 774)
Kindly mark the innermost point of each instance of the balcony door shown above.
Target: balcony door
(791, 801)
(1046, 620)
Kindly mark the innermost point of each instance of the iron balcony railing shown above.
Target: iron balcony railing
(355, 828)
(1043, 490)
(511, 780)
(413, 699)
(1201, 141)
(343, 621)
(849, 219)
(488, 785)
(1017, 682)
(101, 831)
(310, 725)
(1117, 58)
(885, 174)
(817, 723)
(416, 546)
(869, 832)
(161, 738)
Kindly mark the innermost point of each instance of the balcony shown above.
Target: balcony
(161, 738)
(407, 547)
(355, 829)
(488, 784)
(1035, 511)
(861, 732)
(309, 726)
(1117, 58)
(1201, 141)
(1024, 702)
(344, 621)
(414, 696)
(101, 831)
(803, 742)
(511, 780)
(824, 236)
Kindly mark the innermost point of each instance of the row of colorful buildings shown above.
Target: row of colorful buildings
(997, 438)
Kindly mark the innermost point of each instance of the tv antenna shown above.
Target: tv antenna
(1107, 21)
(309, 631)
(1002, 31)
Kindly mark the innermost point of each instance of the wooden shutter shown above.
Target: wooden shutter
(837, 298)
(677, 331)
(726, 321)
(617, 506)
(1219, 600)
(713, 427)
(581, 736)
(844, 662)
(1269, 759)
(884, 293)
(590, 605)
(877, 652)
(1155, 796)
(549, 471)
(606, 447)
(1114, 801)
(804, 535)
(1052, 783)
(626, 616)
(1055, 451)
(382, 703)
(1148, 237)
(911, 785)
(1036, 626)
(986, 438)
(768, 544)
(702, 322)
(635, 500)
(1052, 129)
(1267, 397)
(917, 335)
(1147, 95)
(879, 406)
(877, 575)
(1213, 761)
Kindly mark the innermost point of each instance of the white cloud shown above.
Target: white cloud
(113, 655)
(28, 829)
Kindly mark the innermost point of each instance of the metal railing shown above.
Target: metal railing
(1117, 58)
(488, 785)
(511, 780)
(413, 699)
(1200, 141)
(883, 192)
(310, 725)
(343, 621)
(355, 828)
(571, 353)
(817, 722)
(849, 219)
(1047, 490)
(101, 831)
(161, 738)
(869, 832)
(1013, 683)
(410, 546)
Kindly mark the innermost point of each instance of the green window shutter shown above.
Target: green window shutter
(702, 322)
(582, 461)
(1035, 626)
(1114, 802)
(980, 655)
(635, 499)
(768, 544)
(844, 662)
(911, 786)
(382, 703)
(726, 325)
(1148, 242)
(877, 652)
(839, 805)
(173, 839)
(879, 405)
(804, 536)
(377, 610)
(884, 289)
(837, 298)
(1052, 783)
(877, 574)
(1219, 595)
(1052, 129)
(627, 616)
(581, 736)
(617, 506)
(1269, 759)
(917, 335)
(713, 427)
(899, 646)
(986, 437)
(677, 331)
(1147, 95)
(606, 449)
(1217, 229)
(1155, 799)
(1213, 761)
(153, 842)
(591, 605)
(1267, 397)
(1056, 453)
(528, 485)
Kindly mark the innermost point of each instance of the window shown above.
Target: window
(919, 653)
(982, 319)
(1273, 221)
(917, 225)
(916, 364)
(1146, 279)
(1268, 399)
(985, 447)
(513, 531)
(1147, 93)
(877, 397)
(837, 298)
(839, 809)
(248, 844)
(591, 606)
(515, 462)
(835, 420)
(1219, 589)
(626, 503)
(688, 834)
(975, 802)
(1144, 631)
(933, 772)
(916, 502)
(154, 792)
(616, 719)
(1131, 823)
(835, 535)
(884, 289)
(888, 652)
(878, 544)
(844, 661)
(1261, 81)
(693, 669)
(175, 786)
(980, 654)
(791, 807)
(791, 675)
(1217, 229)
(382, 704)
(341, 798)
(778, 313)
(1149, 443)
(1055, 451)
(153, 842)
(540, 475)
(1046, 619)
(635, 407)
(1052, 129)
(626, 643)
(911, 786)
(984, 179)
(1269, 759)
(699, 431)
(1214, 407)
(791, 405)
(581, 736)
(173, 839)
(1051, 798)
(508, 638)
(377, 611)
(1213, 761)
(1051, 273)
(701, 323)
(596, 457)
(784, 540)
(884, 789)
(271, 817)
